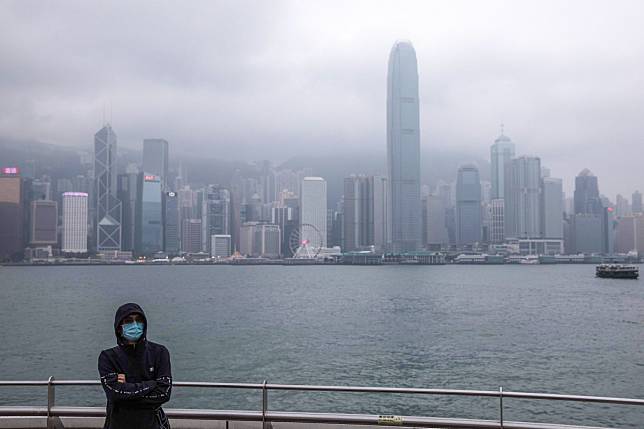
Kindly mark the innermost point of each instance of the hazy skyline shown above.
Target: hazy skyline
(241, 80)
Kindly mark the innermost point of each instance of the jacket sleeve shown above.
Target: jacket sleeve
(116, 391)
(161, 392)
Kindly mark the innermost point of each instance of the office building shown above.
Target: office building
(403, 148)
(108, 207)
(552, 208)
(127, 193)
(149, 225)
(260, 240)
(220, 246)
(437, 236)
(43, 229)
(216, 213)
(468, 205)
(74, 227)
(171, 223)
(497, 224)
(12, 234)
(358, 213)
(586, 197)
(313, 212)
(155, 159)
(191, 235)
(522, 210)
(501, 154)
(636, 202)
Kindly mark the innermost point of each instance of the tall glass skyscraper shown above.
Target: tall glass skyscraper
(155, 159)
(403, 148)
(149, 225)
(468, 205)
(108, 207)
(501, 153)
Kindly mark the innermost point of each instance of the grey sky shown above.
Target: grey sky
(270, 79)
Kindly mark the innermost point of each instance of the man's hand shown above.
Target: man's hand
(121, 378)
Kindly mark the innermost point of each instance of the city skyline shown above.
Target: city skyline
(571, 94)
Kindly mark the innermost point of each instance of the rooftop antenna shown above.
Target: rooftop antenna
(111, 108)
(103, 113)
(502, 127)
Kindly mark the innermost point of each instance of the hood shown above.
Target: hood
(124, 311)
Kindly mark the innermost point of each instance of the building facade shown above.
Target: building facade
(501, 154)
(155, 159)
(171, 231)
(74, 228)
(149, 225)
(468, 205)
(552, 208)
(403, 148)
(43, 229)
(12, 229)
(313, 212)
(108, 206)
(522, 210)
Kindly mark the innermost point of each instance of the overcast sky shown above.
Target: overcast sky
(271, 79)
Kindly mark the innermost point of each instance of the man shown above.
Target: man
(135, 375)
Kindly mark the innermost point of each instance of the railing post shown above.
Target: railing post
(264, 404)
(51, 400)
(501, 406)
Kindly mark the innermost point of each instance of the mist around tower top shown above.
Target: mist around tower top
(285, 79)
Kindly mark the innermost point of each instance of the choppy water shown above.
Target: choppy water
(526, 328)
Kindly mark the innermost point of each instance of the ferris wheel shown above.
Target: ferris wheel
(305, 242)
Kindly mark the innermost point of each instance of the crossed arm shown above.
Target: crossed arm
(117, 388)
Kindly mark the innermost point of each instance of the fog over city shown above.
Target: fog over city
(250, 80)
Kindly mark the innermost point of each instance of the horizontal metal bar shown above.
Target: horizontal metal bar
(358, 389)
(296, 417)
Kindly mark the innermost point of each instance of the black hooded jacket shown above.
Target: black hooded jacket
(148, 380)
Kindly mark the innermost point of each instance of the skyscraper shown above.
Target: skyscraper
(587, 199)
(127, 193)
(171, 223)
(155, 159)
(636, 202)
(74, 234)
(43, 230)
(468, 205)
(403, 148)
(313, 211)
(552, 208)
(501, 153)
(522, 200)
(358, 212)
(108, 207)
(216, 218)
(11, 214)
(381, 234)
(149, 213)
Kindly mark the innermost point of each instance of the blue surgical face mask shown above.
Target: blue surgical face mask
(133, 331)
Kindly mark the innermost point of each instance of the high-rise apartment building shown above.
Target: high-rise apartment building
(313, 211)
(155, 159)
(75, 215)
(403, 148)
(468, 205)
(108, 207)
(522, 209)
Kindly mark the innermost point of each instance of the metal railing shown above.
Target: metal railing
(53, 412)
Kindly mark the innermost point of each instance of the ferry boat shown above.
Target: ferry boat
(617, 271)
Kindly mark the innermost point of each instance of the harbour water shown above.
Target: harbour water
(552, 328)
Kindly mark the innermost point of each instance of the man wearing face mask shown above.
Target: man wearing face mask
(135, 374)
